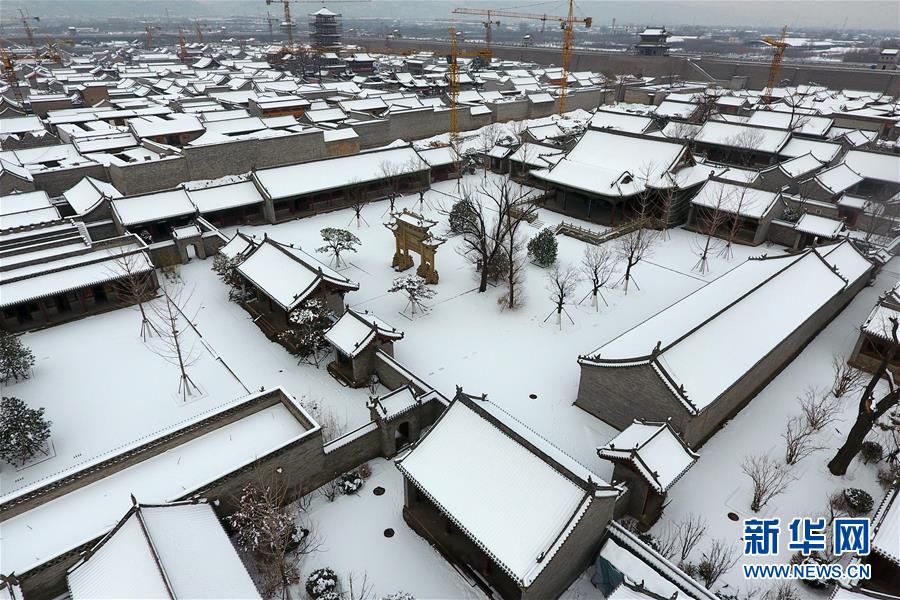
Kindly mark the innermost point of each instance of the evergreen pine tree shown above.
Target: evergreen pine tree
(16, 359)
(542, 248)
(23, 430)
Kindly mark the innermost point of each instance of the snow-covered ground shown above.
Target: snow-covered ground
(716, 485)
(103, 388)
(465, 339)
(353, 542)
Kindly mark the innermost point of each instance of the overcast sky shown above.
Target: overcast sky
(797, 14)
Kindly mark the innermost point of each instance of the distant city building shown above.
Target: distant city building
(653, 42)
(888, 58)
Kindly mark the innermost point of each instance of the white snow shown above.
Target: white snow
(223, 197)
(620, 121)
(608, 164)
(353, 332)
(874, 165)
(88, 512)
(819, 226)
(87, 193)
(158, 206)
(123, 567)
(736, 199)
(492, 500)
(838, 178)
(741, 136)
(886, 538)
(654, 450)
(318, 176)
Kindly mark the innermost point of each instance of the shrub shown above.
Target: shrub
(542, 248)
(16, 359)
(887, 475)
(399, 596)
(364, 470)
(650, 540)
(858, 502)
(460, 216)
(351, 482)
(629, 523)
(871, 452)
(322, 584)
(498, 267)
(23, 431)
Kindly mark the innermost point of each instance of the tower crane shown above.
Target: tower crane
(9, 74)
(198, 27)
(780, 46)
(489, 23)
(567, 24)
(182, 46)
(150, 29)
(29, 30)
(453, 79)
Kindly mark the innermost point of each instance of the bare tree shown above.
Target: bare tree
(272, 535)
(786, 590)
(359, 590)
(516, 257)
(818, 408)
(799, 442)
(682, 536)
(870, 410)
(561, 283)
(638, 243)
(768, 477)
(134, 284)
(497, 208)
(846, 378)
(598, 264)
(356, 197)
(734, 228)
(331, 425)
(710, 220)
(718, 560)
(170, 323)
(746, 143)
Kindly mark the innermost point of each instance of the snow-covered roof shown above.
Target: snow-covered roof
(613, 165)
(801, 165)
(510, 501)
(819, 226)
(334, 173)
(85, 195)
(733, 135)
(545, 132)
(886, 523)
(878, 322)
(874, 165)
(654, 450)
(641, 564)
(438, 157)
(223, 197)
(52, 277)
(824, 151)
(160, 551)
(352, 333)
(838, 178)
(798, 123)
(736, 199)
(677, 110)
(238, 244)
(620, 121)
(396, 403)
(537, 155)
(155, 126)
(683, 342)
(288, 275)
(157, 206)
(19, 125)
(23, 202)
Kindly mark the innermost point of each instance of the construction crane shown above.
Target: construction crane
(9, 74)
(150, 29)
(29, 30)
(567, 24)
(453, 79)
(53, 49)
(780, 46)
(488, 24)
(287, 24)
(182, 45)
(198, 27)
